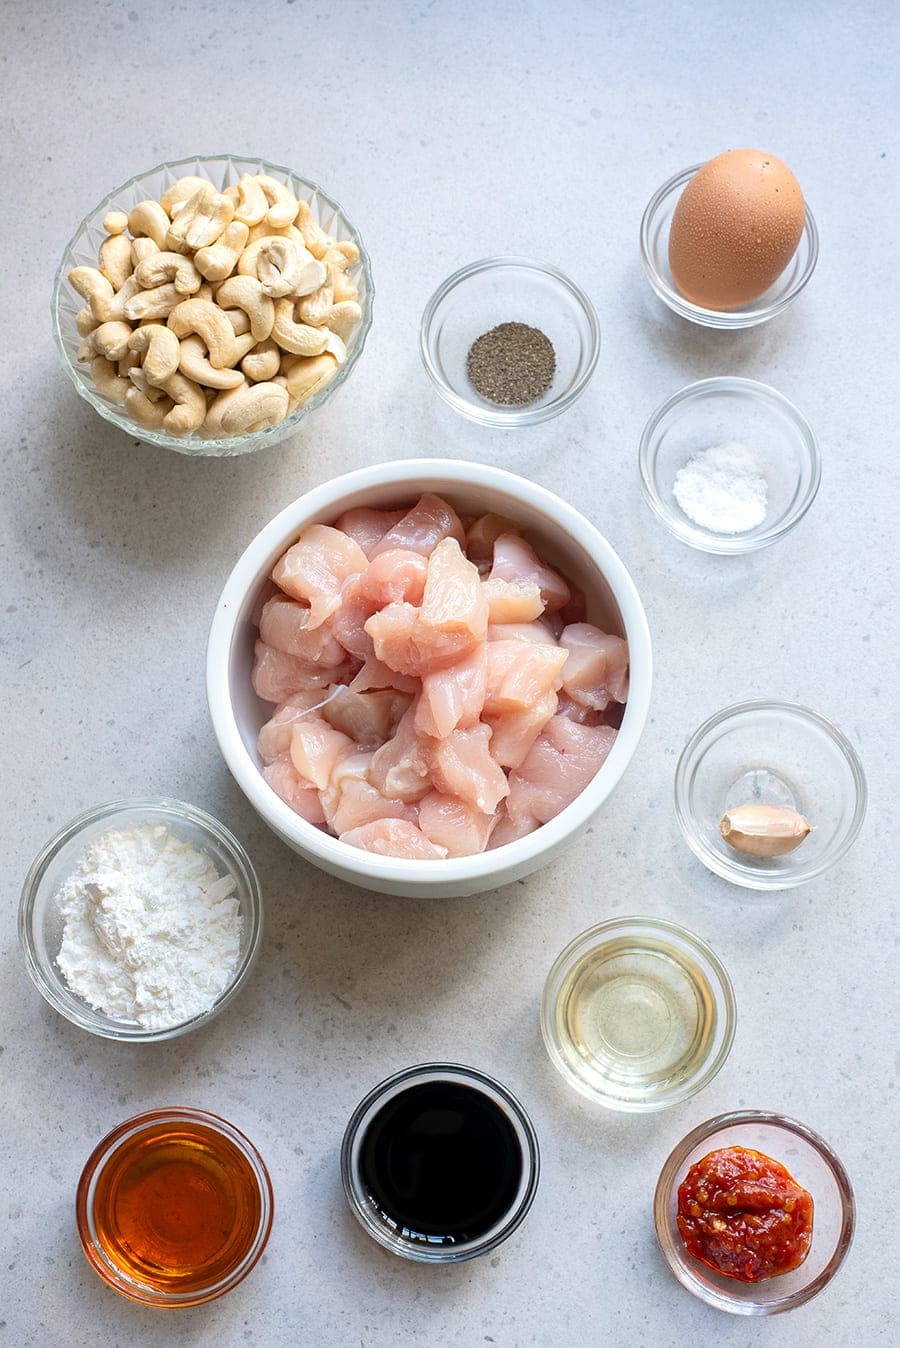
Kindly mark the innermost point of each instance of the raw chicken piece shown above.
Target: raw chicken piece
(576, 712)
(376, 674)
(453, 696)
(394, 838)
(596, 671)
(286, 782)
(399, 768)
(481, 536)
(284, 624)
(276, 675)
(538, 631)
(560, 763)
(394, 577)
(315, 569)
(367, 718)
(359, 803)
(315, 748)
(275, 736)
(348, 622)
(423, 527)
(350, 767)
(407, 645)
(514, 732)
(507, 830)
(266, 592)
(515, 560)
(454, 824)
(461, 765)
(511, 601)
(453, 601)
(520, 673)
(368, 527)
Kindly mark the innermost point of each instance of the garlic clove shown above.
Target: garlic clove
(764, 830)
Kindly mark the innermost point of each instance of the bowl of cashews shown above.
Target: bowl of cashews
(211, 304)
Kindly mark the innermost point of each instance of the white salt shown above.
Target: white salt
(723, 488)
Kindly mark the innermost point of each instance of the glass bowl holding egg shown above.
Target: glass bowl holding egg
(730, 243)
(445, 603)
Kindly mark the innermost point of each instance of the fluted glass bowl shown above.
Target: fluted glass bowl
(221, 170)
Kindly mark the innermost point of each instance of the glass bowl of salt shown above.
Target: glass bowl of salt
(729, 465)
(141, 919)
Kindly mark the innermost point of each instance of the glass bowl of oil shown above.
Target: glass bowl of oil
(174, 1207)
(638, 1014)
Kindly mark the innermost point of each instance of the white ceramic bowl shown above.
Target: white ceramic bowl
(561, 535)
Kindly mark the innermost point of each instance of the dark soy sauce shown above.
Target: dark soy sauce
(441, 1163)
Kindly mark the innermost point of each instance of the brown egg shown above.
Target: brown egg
(735, 228)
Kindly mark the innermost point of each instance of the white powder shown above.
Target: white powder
(723, 488)
(151, 935)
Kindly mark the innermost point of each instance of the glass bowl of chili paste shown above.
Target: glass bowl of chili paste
(792, 1159)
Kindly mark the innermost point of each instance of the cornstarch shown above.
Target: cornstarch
(152, 934)
(723, 488)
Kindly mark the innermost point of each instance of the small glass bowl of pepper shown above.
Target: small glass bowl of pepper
(509, 342)
(790, 1159)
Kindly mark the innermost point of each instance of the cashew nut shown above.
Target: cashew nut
(247, 408)
(306, 376)
(175, 267)
(147, 412)
(107, 380)
(250, 204)
(282, 202)
(200, 220)
(85, 321)
(300, 338)
(93, 286)
(205, 292)
(239, 320)
(115, 259)
(179, 192)
(284, 268)
(245, 292)
(266, 231)
(130, 361)
(138, 377)
(314, 236)
(153, 304)
(141, 249)
(193, 362)
(339, 258)
(220, 258)
(149, 218)
(210, 323)
(190, 405)
(115, 308)
(344, 317)
(111, 339)
(160, 349)
(315, 308)
(85, 351)
(115, 222)
(262, 362)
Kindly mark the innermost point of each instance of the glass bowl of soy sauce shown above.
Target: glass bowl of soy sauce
(440, 1163)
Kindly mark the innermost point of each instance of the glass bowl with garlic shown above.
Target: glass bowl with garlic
(769, 794)
(211, 304)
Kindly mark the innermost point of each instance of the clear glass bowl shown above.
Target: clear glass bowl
(41, 924)
(714, 412)
(497, 290)
(772, 753)
(363, 1206)
(638, 1014)
(82, 250)
(813, 1165)
(101, 1258)
(655, 227)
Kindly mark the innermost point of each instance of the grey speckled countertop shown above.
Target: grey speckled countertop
(450, 131)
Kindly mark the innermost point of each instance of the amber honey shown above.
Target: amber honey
(176, 1209)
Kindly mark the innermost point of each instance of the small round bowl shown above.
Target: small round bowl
(41, 924)
(660, 1021)
(713, 412)
(81, 251)
(410, 1245)
(813, 1165)
(655, 227)
(560, 534)
(497, 290)
(770, 753)
(167, 1127)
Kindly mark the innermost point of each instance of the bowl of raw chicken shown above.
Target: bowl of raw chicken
(428, 676)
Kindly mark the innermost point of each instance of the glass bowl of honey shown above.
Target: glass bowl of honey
(638, 1014)
(174, 1207)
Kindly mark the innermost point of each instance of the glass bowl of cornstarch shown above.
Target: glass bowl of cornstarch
(141, 919)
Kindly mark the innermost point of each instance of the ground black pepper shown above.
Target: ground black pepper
(513, 364)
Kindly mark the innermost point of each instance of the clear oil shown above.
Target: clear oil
(635, 1019)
